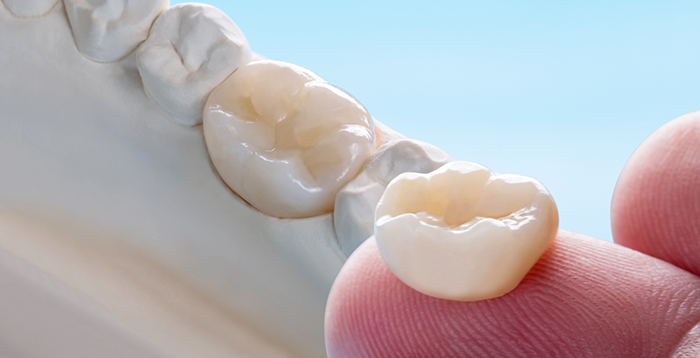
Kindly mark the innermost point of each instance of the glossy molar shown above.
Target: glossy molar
(191, 49)
(462, 232)
(284, 139)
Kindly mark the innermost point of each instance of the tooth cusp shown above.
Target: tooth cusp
(462, 232)
(284, 139)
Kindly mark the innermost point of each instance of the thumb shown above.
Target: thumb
(656, 206)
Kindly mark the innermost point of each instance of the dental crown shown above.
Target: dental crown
(284, 139)
(462, 232)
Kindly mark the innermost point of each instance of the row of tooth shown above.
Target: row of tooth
(182, 52)
(294, 146)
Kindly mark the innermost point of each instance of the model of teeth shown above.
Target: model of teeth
(192, 48)
(284, 139)
(462, 232)
(30, 8)
(108, 30)
(355, 203)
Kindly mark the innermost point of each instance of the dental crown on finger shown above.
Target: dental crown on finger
(462, 232)
(284, 139)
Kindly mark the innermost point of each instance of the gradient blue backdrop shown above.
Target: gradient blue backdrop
(563, 92)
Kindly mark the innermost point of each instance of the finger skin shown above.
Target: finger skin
(656, 205)
(584, 298)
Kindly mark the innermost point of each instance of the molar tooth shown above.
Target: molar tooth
(191, 49)
(30, 8)
(108, 30)
(462, 232)
(356, 202)
(284, 139)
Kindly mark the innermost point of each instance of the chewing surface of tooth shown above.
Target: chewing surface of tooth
(191, 49)
(108, 30)
(284, 139)
(356, 202)
(462, 232)
(30, 8)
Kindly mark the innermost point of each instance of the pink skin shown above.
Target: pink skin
(584, 298)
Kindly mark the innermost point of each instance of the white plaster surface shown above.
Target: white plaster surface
(29, 8)
(108, 30)
(81, 145)
(42, 317)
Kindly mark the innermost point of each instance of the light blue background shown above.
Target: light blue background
(562, 91)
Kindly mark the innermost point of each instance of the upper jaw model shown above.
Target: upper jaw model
(204, 240)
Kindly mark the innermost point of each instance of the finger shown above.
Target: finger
(656, 206)
(584, 298)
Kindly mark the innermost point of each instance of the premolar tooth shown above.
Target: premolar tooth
(355, 203)
(30, 8)
(108, 30)
(462, 232)
(284, 139)
(191, 49)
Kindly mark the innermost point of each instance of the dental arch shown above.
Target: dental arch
(164, 95)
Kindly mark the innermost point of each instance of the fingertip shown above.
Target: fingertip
(584, 297)
(656, 205)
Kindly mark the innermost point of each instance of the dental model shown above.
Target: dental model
(30, 8)
(107, 188)
(462, 232)
(191, 49)
(284, 139)
(353, 216)
(107, 31)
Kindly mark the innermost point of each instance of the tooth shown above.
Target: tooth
(353, 216)
(108, 30)
(29, 8)
(462, 232)
(385, 134)
(284, 139)
(192, 48)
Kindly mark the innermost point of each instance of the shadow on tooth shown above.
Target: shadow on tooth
(356, 202)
